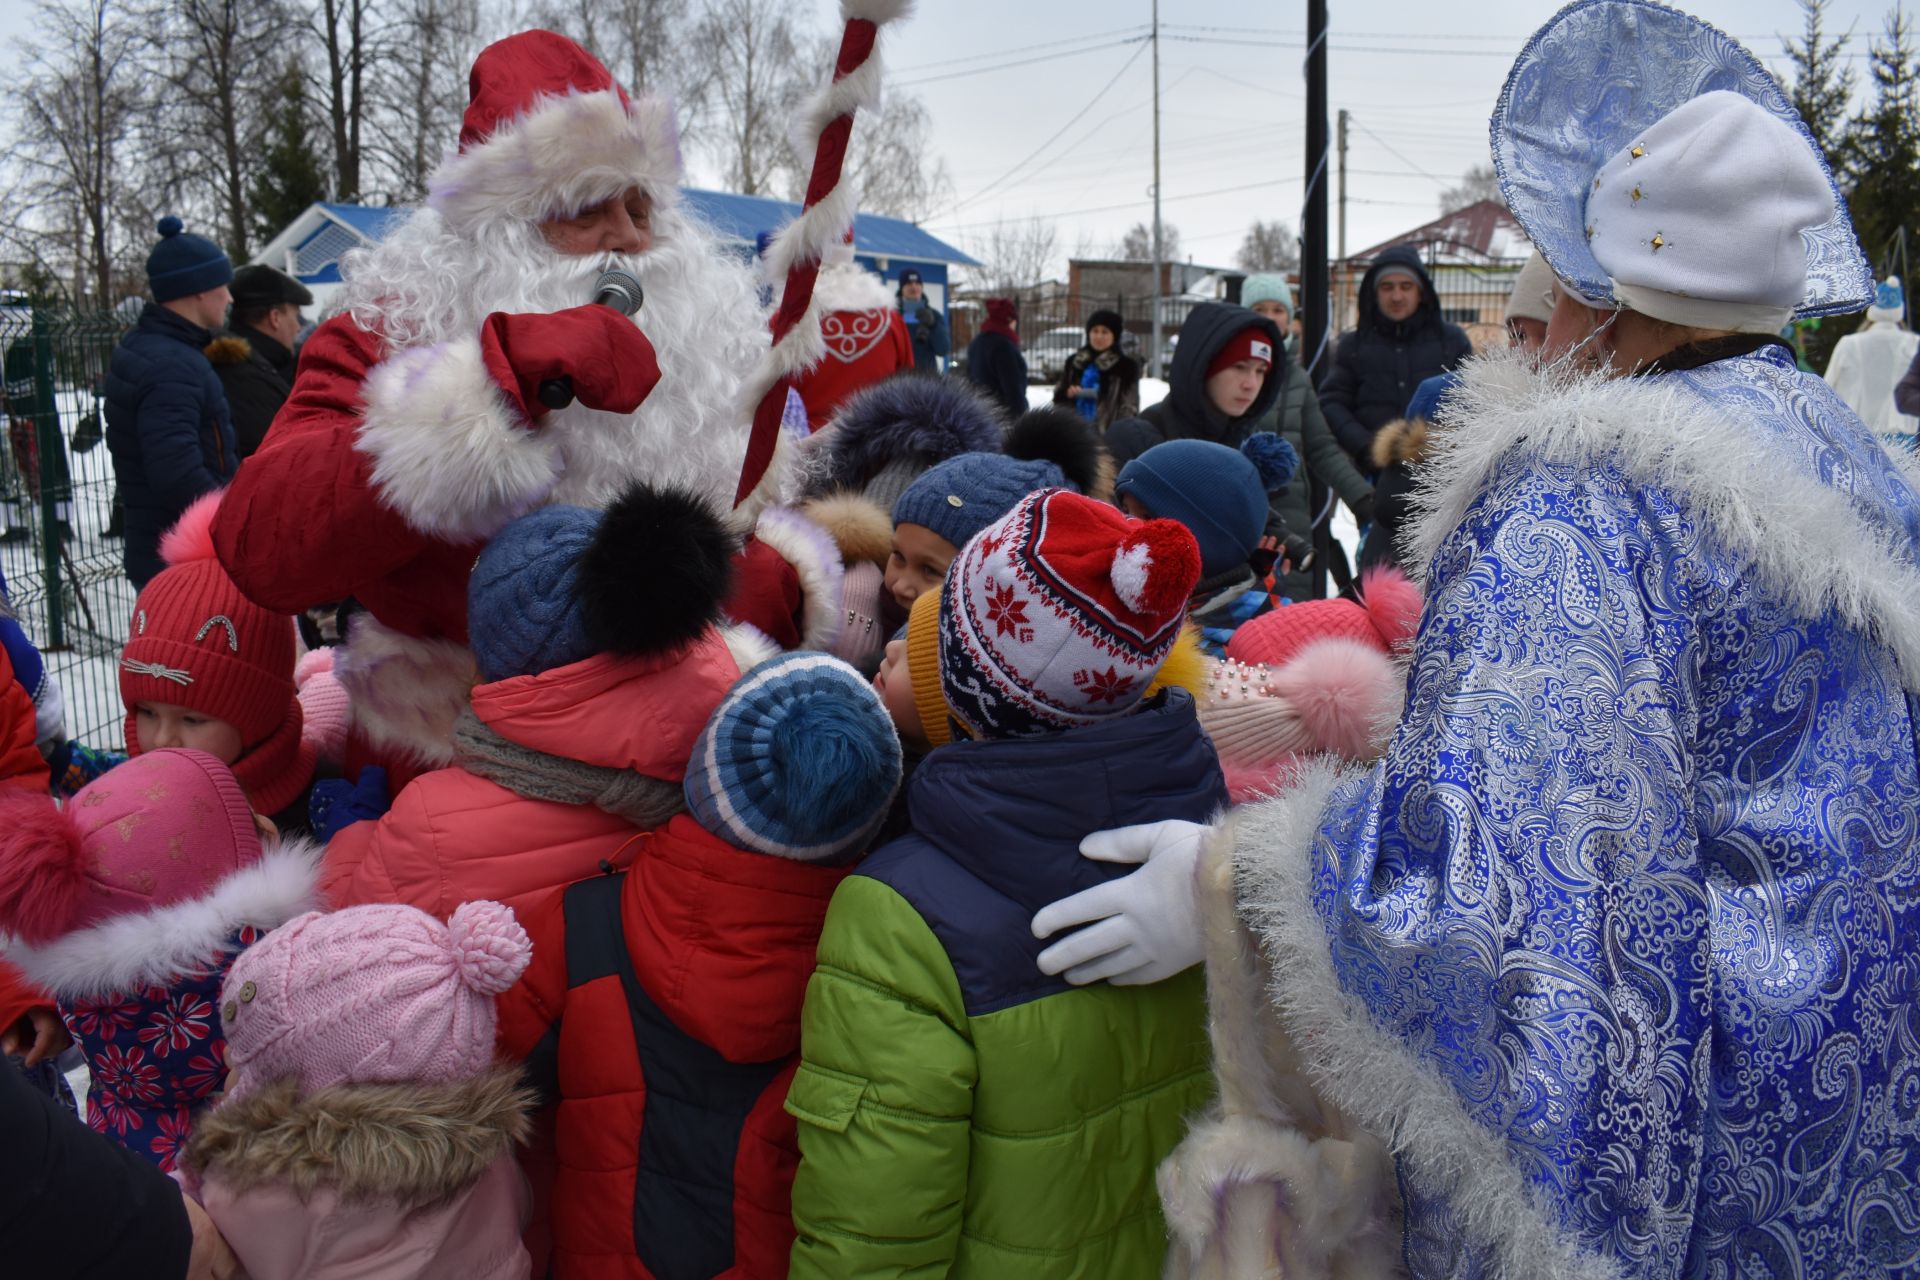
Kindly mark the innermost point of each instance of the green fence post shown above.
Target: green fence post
(46, 430)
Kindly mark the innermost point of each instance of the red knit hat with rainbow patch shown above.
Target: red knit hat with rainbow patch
(1059, 614)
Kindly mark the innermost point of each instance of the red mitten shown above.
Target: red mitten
(610, 362)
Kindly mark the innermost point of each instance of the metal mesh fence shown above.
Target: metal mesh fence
(59, 551)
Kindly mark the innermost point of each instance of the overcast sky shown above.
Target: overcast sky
(1003, 77)
(1418, 76)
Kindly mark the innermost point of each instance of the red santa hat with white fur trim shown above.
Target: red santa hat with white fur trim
(548, 133)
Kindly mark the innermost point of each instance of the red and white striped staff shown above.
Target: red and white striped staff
(824, 221)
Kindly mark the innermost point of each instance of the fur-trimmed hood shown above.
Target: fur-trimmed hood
(1404, 440)
(161, 947)
(1817, 543)
(926, 420)
(410, 1143)
(861, 530)
(228, 349)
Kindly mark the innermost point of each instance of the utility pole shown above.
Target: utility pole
(1316, 304)
(1155, 349)
(1341, 143)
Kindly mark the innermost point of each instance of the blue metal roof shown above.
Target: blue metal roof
(747, 218)
(369, 221)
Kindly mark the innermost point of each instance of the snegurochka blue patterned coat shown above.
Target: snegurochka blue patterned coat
(1618, 948)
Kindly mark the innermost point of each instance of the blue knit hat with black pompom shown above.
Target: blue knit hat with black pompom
(184, 264)
(800, 760)
(1220, 494)
(523, 613)
(563, 584)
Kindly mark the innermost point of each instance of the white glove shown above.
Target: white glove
(1140, 928)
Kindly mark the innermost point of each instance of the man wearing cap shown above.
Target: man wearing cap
(168, 424)
(254, 357)
(931, 340)
(470, 378)
(1401, 341)
(1617, 950)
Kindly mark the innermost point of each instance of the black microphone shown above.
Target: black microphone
(615, 288)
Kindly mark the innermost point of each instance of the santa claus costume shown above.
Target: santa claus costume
(415, 429)
(866, 340)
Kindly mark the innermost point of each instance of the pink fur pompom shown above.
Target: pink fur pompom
(1341, 690)
(1393, 603)
(191, 538)
(42, 868)
(490, 949)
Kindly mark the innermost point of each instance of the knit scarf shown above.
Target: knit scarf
(645, 802)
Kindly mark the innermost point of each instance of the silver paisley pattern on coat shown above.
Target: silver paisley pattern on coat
(1639, 878)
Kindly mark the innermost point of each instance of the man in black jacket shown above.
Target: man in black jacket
(1401, 342)
(254, 357)
(167, 418)
(75, 1204)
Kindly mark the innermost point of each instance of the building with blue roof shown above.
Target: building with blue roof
(311, 246)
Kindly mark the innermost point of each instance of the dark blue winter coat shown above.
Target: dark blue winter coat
(932, 340)
(996, 827)
(995, 365)
(1378, 364)
(169, 428)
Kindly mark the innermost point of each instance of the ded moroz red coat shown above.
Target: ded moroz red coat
(865, 337)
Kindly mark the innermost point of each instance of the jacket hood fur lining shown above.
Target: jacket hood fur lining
(409, 1143)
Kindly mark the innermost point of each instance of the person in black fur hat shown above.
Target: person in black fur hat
(1100, 380)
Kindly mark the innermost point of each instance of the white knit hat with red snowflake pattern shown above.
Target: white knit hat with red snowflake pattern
(1060, 614)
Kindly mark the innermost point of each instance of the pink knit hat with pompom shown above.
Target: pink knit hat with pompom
(380, 994)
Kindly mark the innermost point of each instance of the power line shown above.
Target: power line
(1060, 46)
(1004, 178)
(1110, 208)
(1396, 155)
(1026, 62)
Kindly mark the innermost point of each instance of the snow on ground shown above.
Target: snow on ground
(99, 608)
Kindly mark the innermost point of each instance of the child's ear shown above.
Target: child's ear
(269, 834)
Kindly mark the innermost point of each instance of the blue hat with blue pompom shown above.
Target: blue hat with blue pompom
(1219, 494)
(800, 760)
(184, 264)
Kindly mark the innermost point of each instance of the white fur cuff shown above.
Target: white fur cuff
(449, 453)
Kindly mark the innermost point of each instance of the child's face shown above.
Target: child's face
(1234, 389)
(1134, 507)
(162, 724)
(919, 562)
(895, 683)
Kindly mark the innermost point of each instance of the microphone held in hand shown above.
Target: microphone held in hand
(615, 288)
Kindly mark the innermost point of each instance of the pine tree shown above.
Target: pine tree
(291, 177)
(1883, 145)
(1822, 87)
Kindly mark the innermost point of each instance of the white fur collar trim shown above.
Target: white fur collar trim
(1371, 1075)
(156, 948)
(1815, 553)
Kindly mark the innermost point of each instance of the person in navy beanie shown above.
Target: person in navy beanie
(168, 424)
(933, 518)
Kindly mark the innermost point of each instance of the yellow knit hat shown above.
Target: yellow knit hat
(923, 666)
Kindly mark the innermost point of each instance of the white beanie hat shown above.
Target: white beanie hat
(1698, 221)
(1531, 298)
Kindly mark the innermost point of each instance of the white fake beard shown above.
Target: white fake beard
(427, 284)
